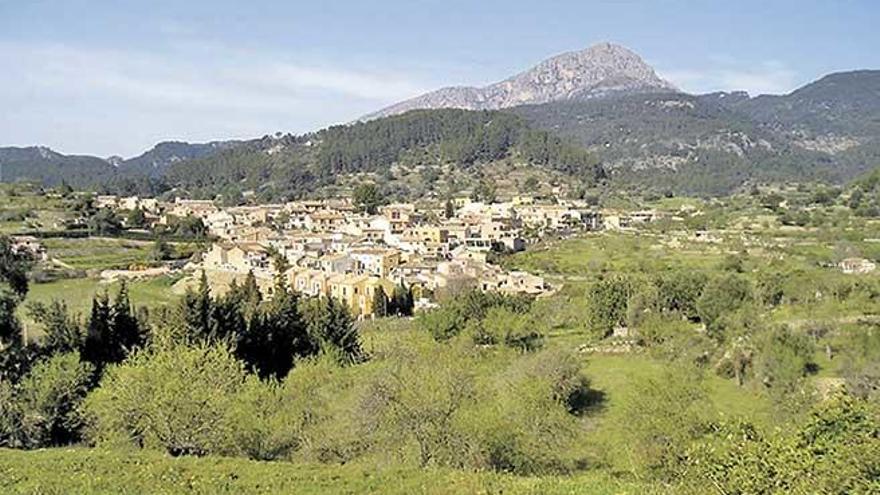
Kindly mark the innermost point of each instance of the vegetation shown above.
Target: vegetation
(718, 348)
(301, 164)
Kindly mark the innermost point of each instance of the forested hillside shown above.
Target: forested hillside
(828, 130)
(41, 164)
(692, 144)
(290, 166)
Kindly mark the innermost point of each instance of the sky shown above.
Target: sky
(115, 77)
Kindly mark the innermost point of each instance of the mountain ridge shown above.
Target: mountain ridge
(601, 69)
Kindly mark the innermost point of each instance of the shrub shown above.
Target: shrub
(657, 420)
(176, 399)
(834, 451)
(43, 410)
(259, 421)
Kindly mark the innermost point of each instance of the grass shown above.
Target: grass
(78, 294)
(88, 471)
(98, 252)
(614, 375)
(586, 255)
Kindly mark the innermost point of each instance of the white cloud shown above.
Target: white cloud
(766, 78)
(184, 91)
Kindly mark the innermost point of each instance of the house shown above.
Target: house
(309, 282)
(129, 203)
(358, 292)
(427, 234)
(518, 282)
(106, 201)
(186, 207)
(376, 261)
(338, 263)
(400, 216)
(615, 221)
(30, 245)
(220, 224)
(857, 266)
(241, 258)
(324, 220)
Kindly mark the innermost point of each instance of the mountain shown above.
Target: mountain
(156, 160)
(842, 104)
(408, 154)
(828, 130)
(48, 167)
(575, 119)
(679, 142)
(601, 70)
(41, 164)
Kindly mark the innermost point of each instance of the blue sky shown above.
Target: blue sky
(106, 78)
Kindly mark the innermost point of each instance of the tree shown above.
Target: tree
(366, 198)
(380, 302)
(485, 192)
(421, 400)
(43, 409)
(14, 267)
(275, 336)
(679, 291)
(136, 219)
(104, 222)
(608, 303)
(112, 332)
(127, 332)
(331, 326)
(196, 307)
(860, 362)
(504, 326)
(658, 419)
(402, 301)
(834, 451)
(449, 209)
(96, 349)
(161, 250)
(722, 295)
(784, 359)
(62, 331)
(176, 399)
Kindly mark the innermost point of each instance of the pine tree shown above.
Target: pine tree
(195, 308)
(380, 302)
(449, 209)
(126, 330)
(339, 330)
(98, 332)
(402, 301)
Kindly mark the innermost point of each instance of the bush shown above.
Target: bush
(834, 451)
(176, 399)
(723, 294)
(43, 410)
(503, 326)
(259, 421)
(453, 317)
(657, 420)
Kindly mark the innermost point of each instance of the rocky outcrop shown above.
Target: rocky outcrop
(600, 70)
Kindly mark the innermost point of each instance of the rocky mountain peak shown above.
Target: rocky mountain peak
(594, 72)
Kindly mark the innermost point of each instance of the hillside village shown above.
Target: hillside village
(333, 248)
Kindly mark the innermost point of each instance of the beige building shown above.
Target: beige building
(376, 261)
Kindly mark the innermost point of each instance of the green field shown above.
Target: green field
(98, 253)
(78, 294)
(85, 471)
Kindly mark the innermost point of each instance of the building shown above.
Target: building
(857, 266)
(376, 261)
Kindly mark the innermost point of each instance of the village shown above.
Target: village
(333, 248)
